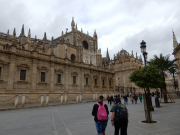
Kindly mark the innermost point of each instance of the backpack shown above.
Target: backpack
(101, 113)
(121, 111)
(135, 97)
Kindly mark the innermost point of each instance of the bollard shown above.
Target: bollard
(16, 101)
(105, 96)
(42, 100)
(62, 98)
(47, 99)
(80, 98)
(65, 98)
(23, 100)
(94, 97)
(77, 98)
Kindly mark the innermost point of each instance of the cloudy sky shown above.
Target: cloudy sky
(119, 23)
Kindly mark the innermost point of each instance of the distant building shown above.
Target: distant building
(71, 62)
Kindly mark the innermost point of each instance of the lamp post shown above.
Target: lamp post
(147, 97)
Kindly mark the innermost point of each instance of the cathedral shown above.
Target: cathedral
(70, 63)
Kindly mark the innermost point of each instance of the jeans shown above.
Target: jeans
(101, 127)
(140, 100)
(125, 101)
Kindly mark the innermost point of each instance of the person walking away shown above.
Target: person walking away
(135, 98)
(114, 98)
(100, 113)
(132, 99)
(119, 117)
(157, 98)
(108, 99)
(125, 99)
(140, 97)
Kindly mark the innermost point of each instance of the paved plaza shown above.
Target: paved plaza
(76, 119)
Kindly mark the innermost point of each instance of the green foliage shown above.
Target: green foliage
(163, 63)
(147, 77)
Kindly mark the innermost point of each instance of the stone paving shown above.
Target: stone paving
(76, 119)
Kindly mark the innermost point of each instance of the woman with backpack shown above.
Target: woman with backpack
(119, 117)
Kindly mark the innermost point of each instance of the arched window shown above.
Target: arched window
(85, 44)
(72, 57)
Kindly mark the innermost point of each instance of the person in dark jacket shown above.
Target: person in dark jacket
(135, 98)
(100, 125)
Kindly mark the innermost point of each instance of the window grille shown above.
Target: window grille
(59, 78)
(23, 75)
(95, 81)
(74, 79)
(86, 81)
(43, 76)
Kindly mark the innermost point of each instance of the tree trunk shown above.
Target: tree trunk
(164, 90)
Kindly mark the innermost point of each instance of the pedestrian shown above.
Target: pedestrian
(125, 99)
(118, 96)
(157, 98)
(140, 97)
(135, 98)
(114, 98)
(132, 99)
(119, 117)
(111, 99)
(100, 113)
(108, 99)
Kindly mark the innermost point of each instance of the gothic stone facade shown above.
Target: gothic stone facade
(69, 63)
(176, 53)
(123, 65)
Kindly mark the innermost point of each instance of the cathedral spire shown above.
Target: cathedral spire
(136, 55)
(22, 31)
(107, 55)
(72, 24)
(45, 38)
(8, 32)
(62, 33)
(81, 30)
(76, 27)
(175, 43)
(14, 33)
(29, 35)
(95, 33)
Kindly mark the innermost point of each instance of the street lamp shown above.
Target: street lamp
(143, 50)
(147, 96)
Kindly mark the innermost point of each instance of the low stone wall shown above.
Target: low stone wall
(22, 99)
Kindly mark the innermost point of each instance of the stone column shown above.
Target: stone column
(65, 98)
(66, 78)
(42, 99)
(77, 98)
(16, 101)
(34, 74)
(23, 100)
(12, 69)
(62, 98)
(92, 82)
(100, 82)
(80, 97)
(82, 79)
(52, 77)
(47, 99)
(107, 83)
